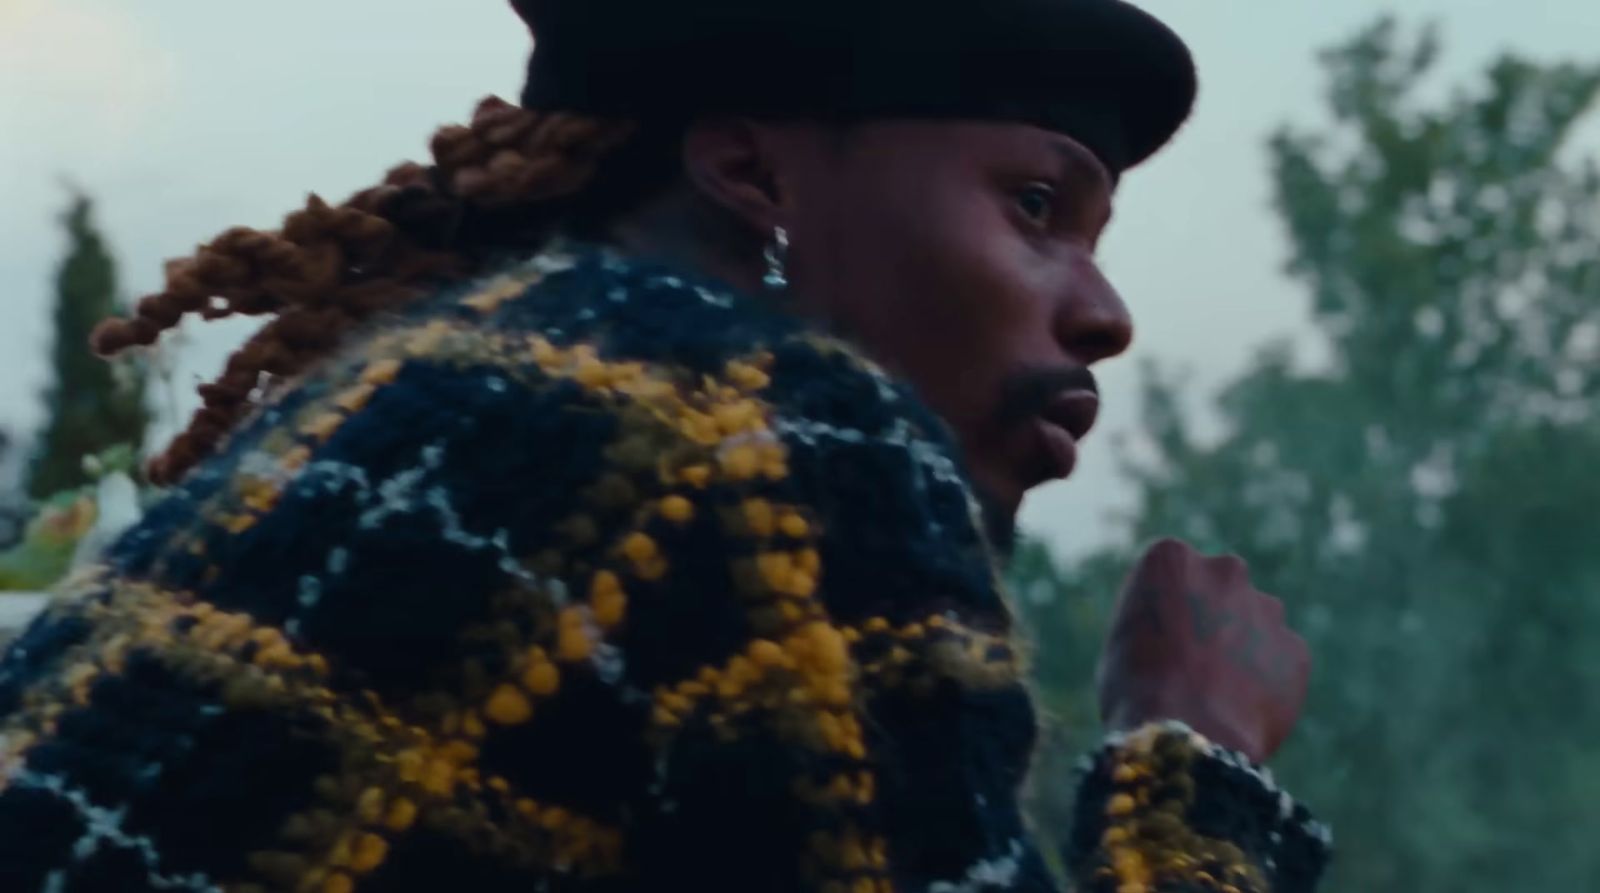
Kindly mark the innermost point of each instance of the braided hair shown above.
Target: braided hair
(505, 182)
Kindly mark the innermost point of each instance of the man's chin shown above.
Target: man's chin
(1000, 523)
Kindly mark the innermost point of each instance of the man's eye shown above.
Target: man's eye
(1037, 200)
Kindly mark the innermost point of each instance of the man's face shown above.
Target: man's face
(961, 256)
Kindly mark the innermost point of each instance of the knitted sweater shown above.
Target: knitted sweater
(585, 577)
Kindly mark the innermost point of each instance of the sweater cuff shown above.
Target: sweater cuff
(1163, 808)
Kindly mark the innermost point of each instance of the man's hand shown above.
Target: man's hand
(1193, 641)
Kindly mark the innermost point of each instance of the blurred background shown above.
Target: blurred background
(1367, 285)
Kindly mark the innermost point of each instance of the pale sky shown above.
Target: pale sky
(184, 117)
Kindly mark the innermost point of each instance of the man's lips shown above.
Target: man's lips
(1044, 412)
(1074, 411)
(1060, 424)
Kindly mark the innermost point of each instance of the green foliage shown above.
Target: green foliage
(1425, 505)
(45, 554)
(93, 405)
(60, 525)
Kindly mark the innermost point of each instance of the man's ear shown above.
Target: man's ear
(731, 162)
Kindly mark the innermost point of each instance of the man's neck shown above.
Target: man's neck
(678, 230)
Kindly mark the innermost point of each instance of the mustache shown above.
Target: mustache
(1026, 394)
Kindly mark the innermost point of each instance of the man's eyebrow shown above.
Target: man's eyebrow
(1084, 162)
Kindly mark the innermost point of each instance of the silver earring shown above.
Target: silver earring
(777, 255)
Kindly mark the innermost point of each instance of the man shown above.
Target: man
(601, 509)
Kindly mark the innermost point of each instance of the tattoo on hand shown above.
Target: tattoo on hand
(1273, 666)
(1249, 649)
(1279, 670)
(1150, 610)
(1208, 621)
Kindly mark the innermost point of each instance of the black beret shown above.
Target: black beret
(1100, 71)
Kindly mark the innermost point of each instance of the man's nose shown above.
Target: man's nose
(1093, 322)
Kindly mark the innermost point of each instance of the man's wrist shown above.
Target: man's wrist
(1125, 720)
(1165, 803)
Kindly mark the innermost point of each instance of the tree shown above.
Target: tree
(1426, 503)
(93, 405)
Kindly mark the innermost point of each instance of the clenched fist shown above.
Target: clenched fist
(1193, 640)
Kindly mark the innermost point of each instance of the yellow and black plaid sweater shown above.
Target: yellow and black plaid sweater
(587, 577)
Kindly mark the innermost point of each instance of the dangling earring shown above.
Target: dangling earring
(777, 255)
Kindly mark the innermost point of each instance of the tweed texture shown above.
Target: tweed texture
(585, 577)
